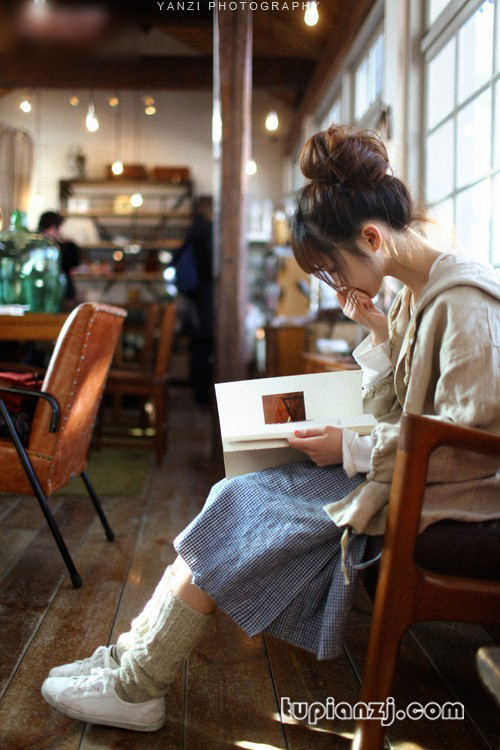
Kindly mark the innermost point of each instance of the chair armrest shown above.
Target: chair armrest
(419, 437)
(54, 421)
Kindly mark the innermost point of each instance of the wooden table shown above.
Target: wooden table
(31, 326)
(328, 362)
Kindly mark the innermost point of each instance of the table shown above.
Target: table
(31, 326)
(313, 362)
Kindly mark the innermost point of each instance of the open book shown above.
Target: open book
(257, 416)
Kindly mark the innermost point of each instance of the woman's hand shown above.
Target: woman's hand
(358, 306)
(323, 446)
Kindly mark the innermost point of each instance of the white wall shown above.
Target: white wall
(179, 134)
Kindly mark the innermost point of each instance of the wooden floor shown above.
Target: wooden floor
(228, 694)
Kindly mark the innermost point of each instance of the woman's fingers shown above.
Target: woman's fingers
(312, 432)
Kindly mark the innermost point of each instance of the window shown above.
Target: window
(333, 115)
(368, 78)
(462, 129)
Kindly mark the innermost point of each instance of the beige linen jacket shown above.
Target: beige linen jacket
(446, 364)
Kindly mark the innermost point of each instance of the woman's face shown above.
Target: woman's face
(364, 273)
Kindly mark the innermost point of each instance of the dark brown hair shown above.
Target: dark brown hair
(351, 181)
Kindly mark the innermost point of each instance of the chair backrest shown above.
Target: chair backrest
(76, 377)
(164, 351)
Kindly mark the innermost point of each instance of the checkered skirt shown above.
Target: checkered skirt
(269, 556)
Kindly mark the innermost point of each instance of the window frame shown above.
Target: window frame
(371, 116)
(446, 26)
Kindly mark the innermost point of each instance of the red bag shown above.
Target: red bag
(21, 408)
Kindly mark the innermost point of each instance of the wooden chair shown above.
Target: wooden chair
(149, 380)
(64, 417)
(406, 593)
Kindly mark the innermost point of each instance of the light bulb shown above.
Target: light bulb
(272, 121)
(74, 101)
(113, 101)
(251, 167)
(117, 167)
(91, 121)
(311, 16)
(25, 105)
(149, 101)
(150, 110)
(136, 200)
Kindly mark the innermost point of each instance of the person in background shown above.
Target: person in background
(199, 237)
(50, 224)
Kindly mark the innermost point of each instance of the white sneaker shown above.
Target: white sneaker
(93, 698)
(100, 659)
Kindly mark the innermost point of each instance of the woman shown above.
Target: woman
(269, 548)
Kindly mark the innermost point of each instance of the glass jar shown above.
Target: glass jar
(30, 268)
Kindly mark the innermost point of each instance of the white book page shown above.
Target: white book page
(241, 410)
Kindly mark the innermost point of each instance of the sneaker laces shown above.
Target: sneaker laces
(97, 660)
(98, 682)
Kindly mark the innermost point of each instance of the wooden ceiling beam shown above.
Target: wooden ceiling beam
(354, 13)
(171, 72)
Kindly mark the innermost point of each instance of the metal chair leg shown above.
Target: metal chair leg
(33, 479)
(97, 505)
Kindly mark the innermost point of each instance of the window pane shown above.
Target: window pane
(473, 220)
(379, 66)
(474, 139)
(475, 51)
(496, 221)
(435, 8)
(439, 167)
(361, 83)
(497, 122)
(497, 64)
(441, 84)
(369, 78)
(443, 230)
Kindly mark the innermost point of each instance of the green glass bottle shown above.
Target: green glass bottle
(30, 268)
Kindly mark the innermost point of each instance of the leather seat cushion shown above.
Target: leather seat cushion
(455, 548)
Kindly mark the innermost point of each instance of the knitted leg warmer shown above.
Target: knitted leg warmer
(152, 661)
(140, 624)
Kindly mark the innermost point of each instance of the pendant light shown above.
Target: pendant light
(74, 100)
(117, 166)
(311, 16)
(25, 105)
(272, 121)
(251, 167)
(91, 121)
(136, 200)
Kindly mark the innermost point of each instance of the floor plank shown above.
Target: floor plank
(77, 621)
(231, 700)
(415, 680)
(452, 649)
(30, 585)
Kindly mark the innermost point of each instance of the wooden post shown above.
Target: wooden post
(232, 99)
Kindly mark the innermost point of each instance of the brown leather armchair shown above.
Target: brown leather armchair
(64, 417)
(449, 572)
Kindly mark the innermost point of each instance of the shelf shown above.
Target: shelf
(82, 182)
(181, 219)
(122, 276)
(167, 244)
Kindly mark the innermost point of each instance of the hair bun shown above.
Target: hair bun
(342, 153)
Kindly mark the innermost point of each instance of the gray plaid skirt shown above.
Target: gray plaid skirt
(269, 556)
